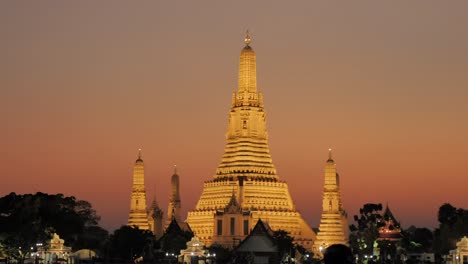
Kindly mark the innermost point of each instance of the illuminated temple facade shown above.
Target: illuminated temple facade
(246, 186)
(333, 227)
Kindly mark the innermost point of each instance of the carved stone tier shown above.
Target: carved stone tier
(268, 200)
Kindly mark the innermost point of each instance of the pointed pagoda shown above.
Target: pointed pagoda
(138, 215)
(155, 218)
(247, 167)
(247, 153)
(174, 206)
(391, 231)
(389, 236)
(333, 227)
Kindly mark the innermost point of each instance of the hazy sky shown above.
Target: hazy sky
(84, 84)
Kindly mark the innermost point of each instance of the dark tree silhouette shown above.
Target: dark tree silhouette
(31, 218)
(417, 240)
(453, 225)
(129, 243)
(285, 242)
(175, 238)
(365, 231)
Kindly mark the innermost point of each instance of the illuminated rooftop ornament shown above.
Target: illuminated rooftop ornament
(247, 39)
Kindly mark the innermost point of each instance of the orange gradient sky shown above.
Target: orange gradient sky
(84, 84)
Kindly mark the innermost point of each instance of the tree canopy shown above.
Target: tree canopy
(284, 241)
(31, 218)
(129, 243)
(417, 240)
(453, 225)
(365, 232)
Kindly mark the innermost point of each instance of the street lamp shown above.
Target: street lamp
(211, 258)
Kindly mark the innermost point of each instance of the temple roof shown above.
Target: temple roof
(233, 201)
(259, 240)
(175, 226)
(391, 231)
(388, 215)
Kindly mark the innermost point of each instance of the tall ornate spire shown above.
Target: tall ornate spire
(246, 166)
(247, 135)
(154, 203)
(333, 227)
(331, 176)
(155, 216)
(247, 68)
(174, 207)
(138, 214)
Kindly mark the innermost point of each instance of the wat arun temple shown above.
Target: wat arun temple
(246, 173)
(246, 187)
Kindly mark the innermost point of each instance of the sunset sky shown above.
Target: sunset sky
(85, 84)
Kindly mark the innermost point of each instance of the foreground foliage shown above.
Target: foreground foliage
(365, 231)
(453, 225)
(32, 218)
(127, 244)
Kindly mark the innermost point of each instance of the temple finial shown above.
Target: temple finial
(247, 39)
(139, 153)
(330, 154)
(175, 169)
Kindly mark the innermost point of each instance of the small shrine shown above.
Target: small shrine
(195, 250)
(460, 254)
(56, 251)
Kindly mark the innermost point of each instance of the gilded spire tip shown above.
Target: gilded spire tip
(139, 153)
(247, 39)
(175, 169)
(330, 154)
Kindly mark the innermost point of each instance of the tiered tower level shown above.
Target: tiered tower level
(333, 227)
(138, 215)
(247, 169)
